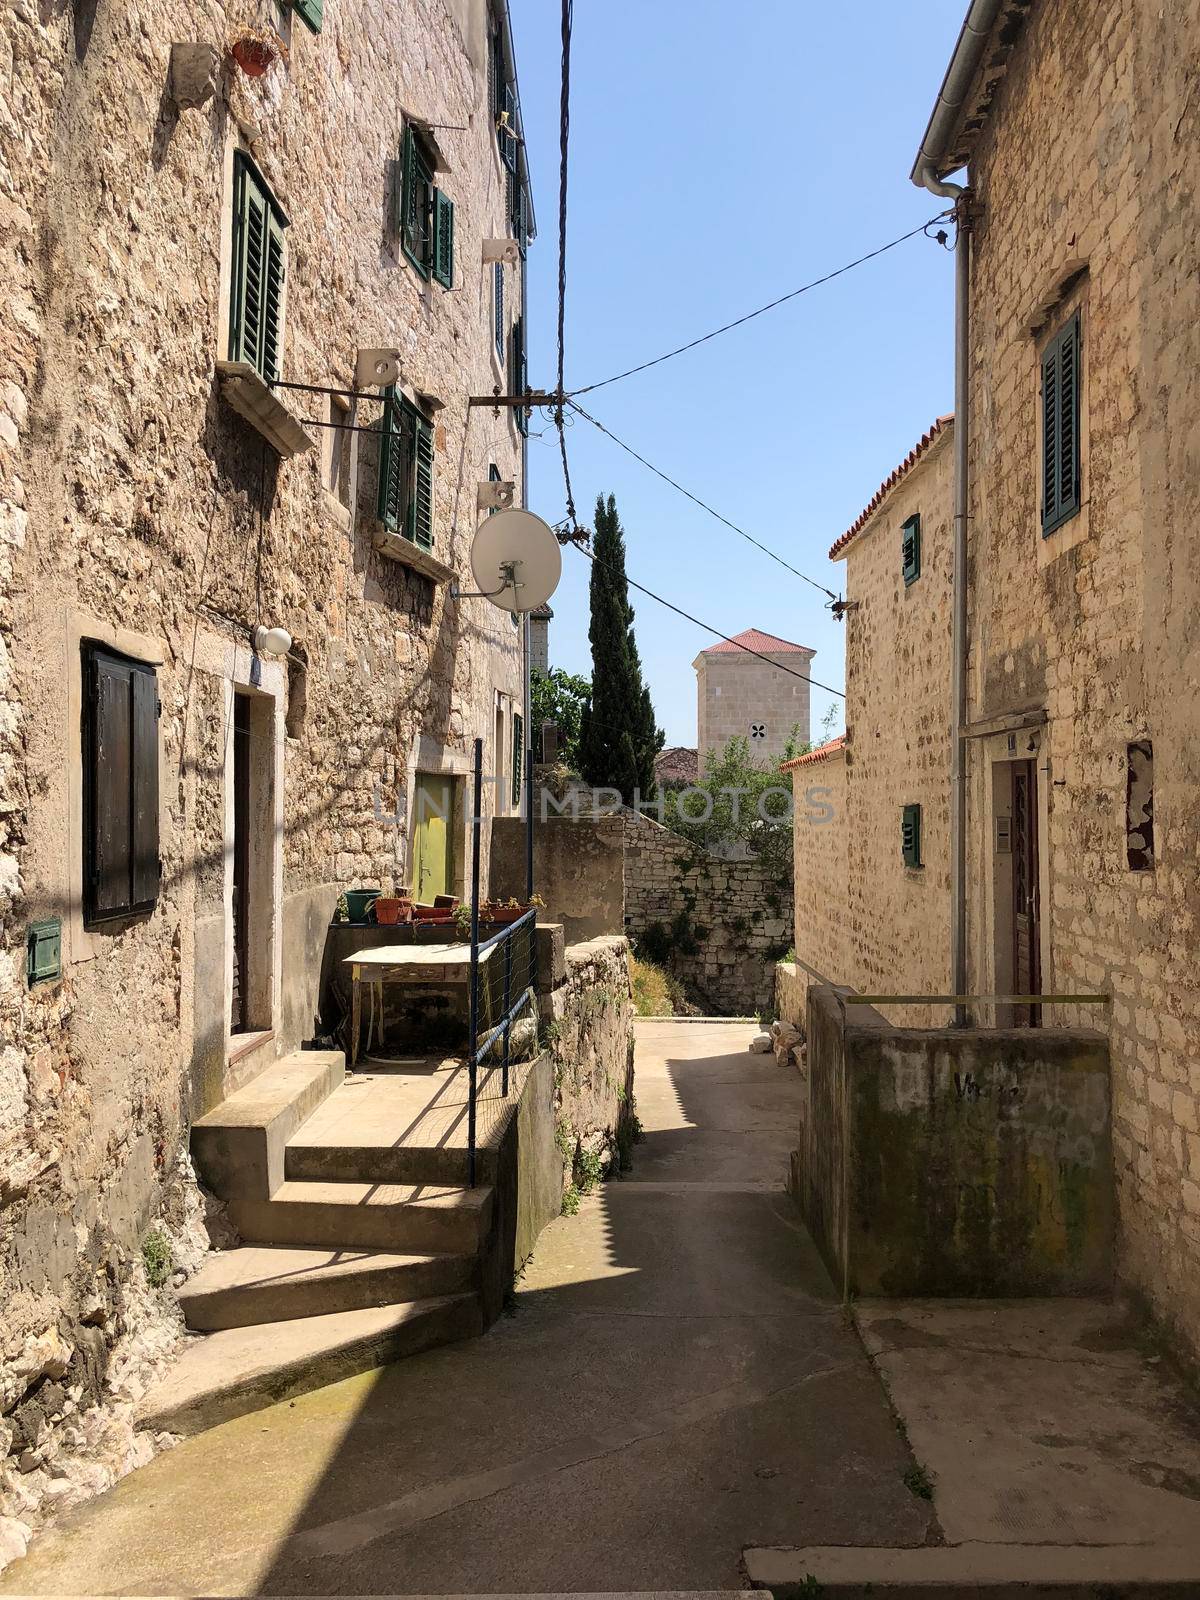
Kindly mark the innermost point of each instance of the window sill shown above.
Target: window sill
(241, 1044)
(397, 548)
(245, 392)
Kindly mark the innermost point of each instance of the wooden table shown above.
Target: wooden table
(404, 963)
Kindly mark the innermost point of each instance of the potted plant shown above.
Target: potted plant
(391, 910)
(504, 912)
(256, 49)
(358, 904)
(433, 913)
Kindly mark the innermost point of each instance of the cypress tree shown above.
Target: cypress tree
(619, 738)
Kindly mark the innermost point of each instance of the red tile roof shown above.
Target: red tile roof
(821, 753)
(754, 639)
(942, 425)
(678, 763)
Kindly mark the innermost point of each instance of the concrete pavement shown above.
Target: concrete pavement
(676, 1383)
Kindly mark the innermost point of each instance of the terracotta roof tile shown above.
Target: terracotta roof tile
(942, 425)
(821, 753)
(754, 639)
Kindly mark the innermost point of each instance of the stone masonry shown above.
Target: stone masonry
(137, 509)
(760, 698)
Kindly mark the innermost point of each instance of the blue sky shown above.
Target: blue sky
(721, 156)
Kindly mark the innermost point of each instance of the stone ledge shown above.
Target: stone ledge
(245, 392)
(397, 548)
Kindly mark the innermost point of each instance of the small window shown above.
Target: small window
(1139, 806)
(406, 471)
(518, 376)
(120, 783)
(310, 12)
(256, 307)
(910, 836)
(498, 306)
(518, 756)
(426, 214)
(910, 548)
(1062, 397)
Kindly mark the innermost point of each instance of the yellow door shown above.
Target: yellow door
(433, 837)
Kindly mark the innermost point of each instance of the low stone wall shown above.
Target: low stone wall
(578, 869)
(587, 1017)
(949, 1162)
(718, 925)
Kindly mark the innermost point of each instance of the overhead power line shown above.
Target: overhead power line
(696, 500)
(707, 626)
(783, 299)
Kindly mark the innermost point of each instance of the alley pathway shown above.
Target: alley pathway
(675, 1384)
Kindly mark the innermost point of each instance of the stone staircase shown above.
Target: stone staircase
(362, 1240)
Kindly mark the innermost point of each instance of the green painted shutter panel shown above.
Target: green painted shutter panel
(310, 12)
(121, 868)
(443, 239)
(1061, 411)
(250, 258)
(518, 756)
(517, 376)
(423, 492)
(910, 548)
(508, 135)
(144, 864)
(272, 301)
(910, 835)
(498, 305)
(391, 468)
(1050, 436)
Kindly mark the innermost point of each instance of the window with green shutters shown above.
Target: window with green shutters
(120, 785)
(498, 306)
(310, 12)
(518, 756)
(257, 278)
(910, 548)
(425, 214)
(910, 835)
(1062, 400)
(517, 372)
(406, 471)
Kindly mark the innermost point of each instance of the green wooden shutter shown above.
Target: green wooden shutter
(391, 468)
(910, 548)
(1061, 406)
(256, 310)
(443, 239)
(422, 502)
(271, 351)
(508, 133)
(498, 305)
(910, 835)
(310, 12)
(518, 756)
(517, 374)
(121, 867)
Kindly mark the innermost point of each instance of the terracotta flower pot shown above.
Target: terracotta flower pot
(392, 910)
(254, 56)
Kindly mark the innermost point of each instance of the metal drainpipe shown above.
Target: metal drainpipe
(958, 642)
(527, 626)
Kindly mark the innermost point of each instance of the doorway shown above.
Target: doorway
(433, 836)
(1026, 907)
(251, 947)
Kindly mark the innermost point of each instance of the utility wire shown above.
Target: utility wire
(564, 137)
(695, 499)
(707, 626)
(750, 315)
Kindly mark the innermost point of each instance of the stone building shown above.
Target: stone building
(195, 259)
(871, 809)
(539, 638)
(743, 695)
(1082, 147)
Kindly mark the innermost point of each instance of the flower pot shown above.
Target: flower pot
(254, 56)
(433, 913)
(392, 910)
(359, 903)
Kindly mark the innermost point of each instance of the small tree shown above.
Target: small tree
(618, 738)
(737, 801)
(562, 698)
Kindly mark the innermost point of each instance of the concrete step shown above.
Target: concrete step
(224, 1375)
(238, 1147)
(369, 1216)
(440, 1165)
(266, 1283)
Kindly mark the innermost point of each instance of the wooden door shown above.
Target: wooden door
(433, 837)
(238, 1019)
(1027, 963)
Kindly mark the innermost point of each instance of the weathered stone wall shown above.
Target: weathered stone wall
(723, 924)
(1087, 174)
(734, 691)
(956, 1161)
(820, 849)
(137, 508)
(578, 870)
(588, 1021)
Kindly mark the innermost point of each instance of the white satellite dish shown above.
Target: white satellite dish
(516, 560)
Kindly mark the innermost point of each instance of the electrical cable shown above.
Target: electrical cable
(707, 626)
(696, 500)
(770, 306)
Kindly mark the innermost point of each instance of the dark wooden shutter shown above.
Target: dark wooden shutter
(508, 129)
(443, 239)
(910, 835)
(422, 504)
(910, 548)
(518, 756)
(256, 311)
(416, 225)
(310, 12)
(1061, 408)
(121, 866)
(518, 374)
(391, 467)
(272, 339)
(498, 305)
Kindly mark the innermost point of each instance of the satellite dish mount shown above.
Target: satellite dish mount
(515, 560)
